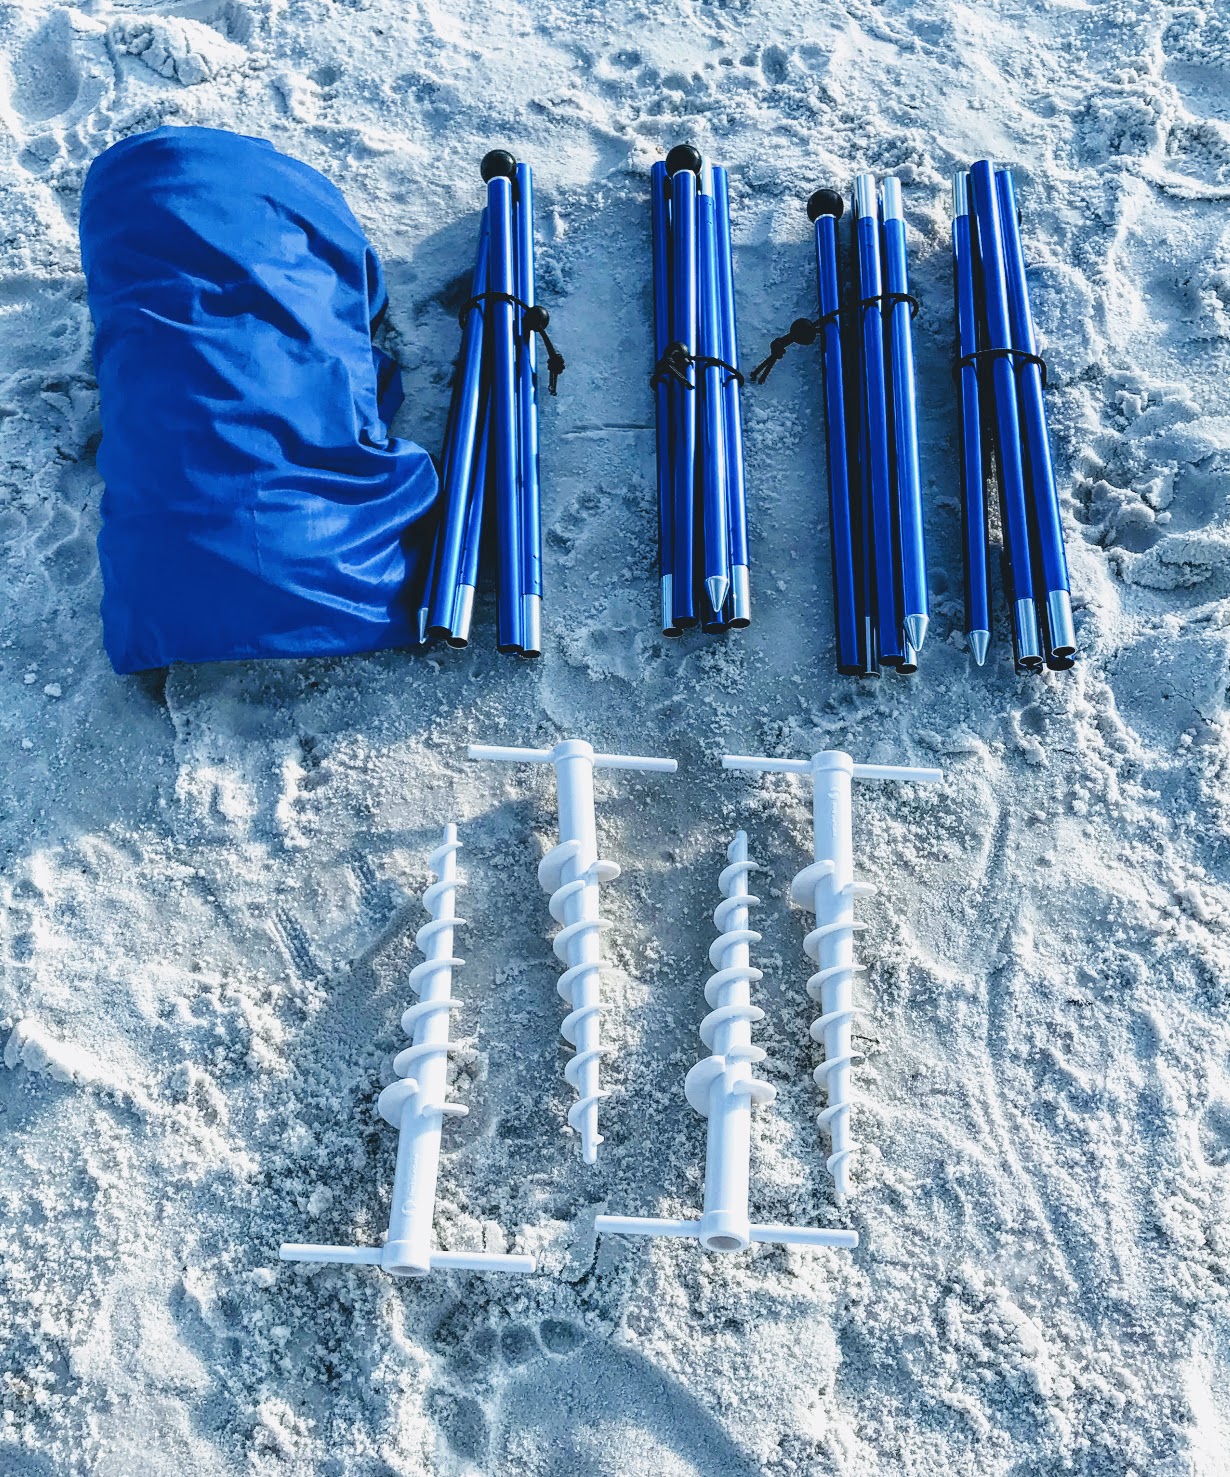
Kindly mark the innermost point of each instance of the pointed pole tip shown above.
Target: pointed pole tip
(979, 641)
(717, 586)
(916, 630)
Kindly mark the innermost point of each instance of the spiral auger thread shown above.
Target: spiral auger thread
(723, 1089)
(572, 874)
(578, 946)
(827, 888)
(416, 1104)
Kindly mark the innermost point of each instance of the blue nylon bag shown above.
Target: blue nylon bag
(254, 504)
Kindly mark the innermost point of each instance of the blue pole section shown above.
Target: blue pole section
(659, 193)
(527, 420)
(463, 609)
(715, 510)
(825, 209)
(914, 612)
(1042, 501)
(740, 611)
(682, 165)
(989, 238)
(877, 483)
(459, 454)
(868, 649)
(973, 478)
(502, 451)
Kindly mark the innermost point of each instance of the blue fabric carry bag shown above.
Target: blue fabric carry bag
(255, 504)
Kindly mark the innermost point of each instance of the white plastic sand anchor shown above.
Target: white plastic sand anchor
(415, 1106)
(571, 872)
(723, 1087)
(827, 888)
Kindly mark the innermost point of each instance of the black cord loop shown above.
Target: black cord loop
(973, 359)
(534, 319)
(890, 301)
(674, 365)
(802, 331)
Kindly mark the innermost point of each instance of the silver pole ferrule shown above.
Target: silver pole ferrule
(891, 194)
(463, 614)
(865, 201)
(1028, 640)
(1060, 630)
(740, 595)
(960, 192)
(669, 628)
(531, 625)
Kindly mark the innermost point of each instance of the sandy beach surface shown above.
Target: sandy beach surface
(211, 877)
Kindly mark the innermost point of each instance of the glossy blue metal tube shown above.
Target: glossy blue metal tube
(471, 548)
(502, 450)
(711, 425)
(973, 477)
(684, 275)
(527, 419)
(864, 541)
(877, 483)
(989, 237)
(659, 194)
(913, 557)
(458, 459)
(1050, 559)
(825, 209)
(740, 605)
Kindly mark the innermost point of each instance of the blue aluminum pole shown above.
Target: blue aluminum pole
(463, 610)
(659, 192)
(740, 612)
(1042, 501)
(498, 169)
(458, 456)
(913, 562)
(715, 510)
(973, 477)
(877, 483)
(989, 237)
(527, 420)
(864, 542)
(825, 209)
(682, 165)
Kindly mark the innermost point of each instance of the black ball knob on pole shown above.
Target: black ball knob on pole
(498, 164)
(825, 202)
(683, 156)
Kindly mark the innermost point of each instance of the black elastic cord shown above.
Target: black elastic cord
(891, 299)
(534, 319)
(674, 365)
(972, 359)
(802, 331)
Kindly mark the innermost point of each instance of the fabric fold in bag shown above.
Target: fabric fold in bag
(254, 502)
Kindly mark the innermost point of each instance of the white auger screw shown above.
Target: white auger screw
(723, 1087)
(571, 872)
(827, 888)
(416, 1106)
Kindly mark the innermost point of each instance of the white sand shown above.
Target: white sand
(210, 883)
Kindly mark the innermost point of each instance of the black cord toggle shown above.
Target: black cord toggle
(890, 300)
(802, 331)
(674, 365)
(973, 359)
(534, 319)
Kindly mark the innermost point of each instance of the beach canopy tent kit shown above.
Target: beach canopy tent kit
(255, 504)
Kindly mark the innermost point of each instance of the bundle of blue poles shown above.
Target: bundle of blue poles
(1001, 379)
(702, 505)
(875, 492)
(489, 492)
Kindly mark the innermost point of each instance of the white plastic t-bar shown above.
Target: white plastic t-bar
(416, 1106)
(572, 872)
(723, 1087)
(827, 888)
